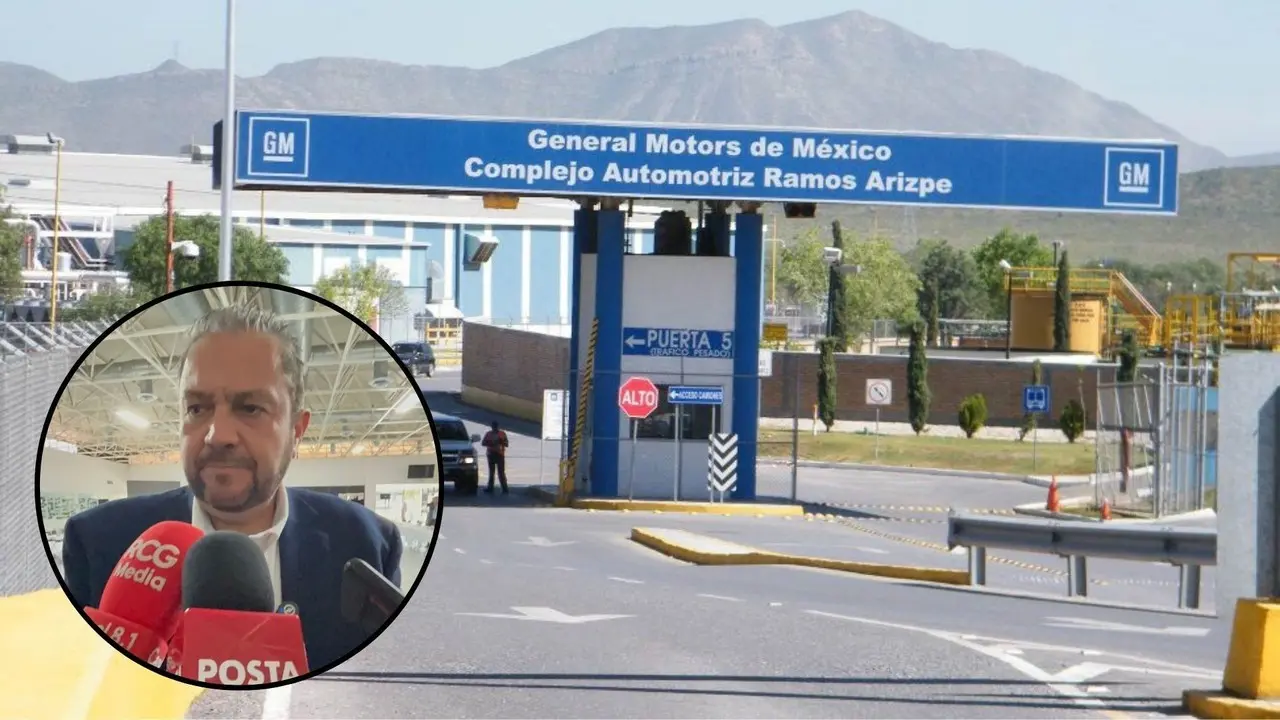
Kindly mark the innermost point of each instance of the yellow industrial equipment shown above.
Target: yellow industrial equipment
(1103, 305)
(1245, 316)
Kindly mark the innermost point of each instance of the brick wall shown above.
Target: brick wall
(507, 370)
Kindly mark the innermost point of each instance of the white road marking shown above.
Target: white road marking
(90, 682)
(561, 567)
(1055, 682)
(718, 597)
(775, 604)
(1097, 689)
(627, 580)
(460, 551)
(486, 562)
(277, 702)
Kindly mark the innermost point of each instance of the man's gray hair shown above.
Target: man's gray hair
(248, 318)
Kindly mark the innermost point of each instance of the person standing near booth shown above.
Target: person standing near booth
(495, 444)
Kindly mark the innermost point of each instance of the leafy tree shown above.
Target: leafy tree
(12, 238)
(929, 311)
(918, 395)
(801, 272)
(1062, 306)
(837, 296)
(885, 289)
(1019, 251)
(1129, 354)
(954, 273)
(1030, 420)
(252, 258)
(827, 382)
(109, 303)
(973, 414)
(366, 291)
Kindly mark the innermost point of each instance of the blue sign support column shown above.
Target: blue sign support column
(583, 224)
(605, 438)
(748, 248)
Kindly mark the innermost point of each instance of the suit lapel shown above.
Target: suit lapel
(304, 550)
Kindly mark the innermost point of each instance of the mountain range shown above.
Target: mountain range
(851, 70)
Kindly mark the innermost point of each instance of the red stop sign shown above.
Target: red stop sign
(638, 397)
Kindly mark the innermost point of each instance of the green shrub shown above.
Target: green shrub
(918, 395)
(1072, 420)
(973, 414)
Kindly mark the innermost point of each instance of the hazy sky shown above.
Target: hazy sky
(1210, 68)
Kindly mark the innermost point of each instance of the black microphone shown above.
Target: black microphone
(368, 597)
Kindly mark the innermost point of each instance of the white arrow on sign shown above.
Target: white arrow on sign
(633, 341)
(546, 614)
(1087, 624)
(544, 542)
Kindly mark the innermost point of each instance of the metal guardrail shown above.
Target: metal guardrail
(1189, 549)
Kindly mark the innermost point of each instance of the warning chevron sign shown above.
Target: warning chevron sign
(722, 462)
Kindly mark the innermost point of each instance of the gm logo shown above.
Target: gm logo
(279, 147)
(1134, 178)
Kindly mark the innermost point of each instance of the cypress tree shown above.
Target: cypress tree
(837, 295)
(1129, 356)
(918, 396)
(827, 382)
(1062, 307)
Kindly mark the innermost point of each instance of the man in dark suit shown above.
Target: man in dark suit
(241, 391)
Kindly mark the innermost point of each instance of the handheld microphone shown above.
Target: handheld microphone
(230, 633)
(368, 597)
(141, 600)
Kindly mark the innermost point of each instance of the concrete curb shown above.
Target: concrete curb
(677, 508)
(938, 472)
(652, 538)
(1218, 704)
(1037, 510)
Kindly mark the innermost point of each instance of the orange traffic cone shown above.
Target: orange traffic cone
(1053, 503)
(1105, 511)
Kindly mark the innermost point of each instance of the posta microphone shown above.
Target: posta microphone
(231, 634)
(142, 598)
(368, 597)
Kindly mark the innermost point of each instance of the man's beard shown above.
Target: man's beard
(261, 489)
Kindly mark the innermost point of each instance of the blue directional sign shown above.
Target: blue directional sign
(1035, 399)
(287, 149)
(695, 395)
(678, 343)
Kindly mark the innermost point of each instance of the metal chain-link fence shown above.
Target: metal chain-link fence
(30, 375)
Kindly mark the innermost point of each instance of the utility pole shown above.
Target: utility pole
(168, 238)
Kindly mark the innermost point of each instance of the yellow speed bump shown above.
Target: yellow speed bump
(703, 550)
(68, 672)
(698, 508)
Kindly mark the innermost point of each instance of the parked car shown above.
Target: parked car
(458, 453)
(418, 356)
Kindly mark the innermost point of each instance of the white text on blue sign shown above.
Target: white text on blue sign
(679, 343)
(695, 395)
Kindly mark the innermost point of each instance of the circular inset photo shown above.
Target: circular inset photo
(239, 485)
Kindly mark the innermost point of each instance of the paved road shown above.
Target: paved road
(727, 642)
(901, 514)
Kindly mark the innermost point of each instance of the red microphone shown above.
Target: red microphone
(230, 633)
(142, 598)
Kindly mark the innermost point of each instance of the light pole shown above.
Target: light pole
(225, 228)
(57, 143)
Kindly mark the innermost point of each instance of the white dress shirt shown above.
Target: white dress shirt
(268, 540)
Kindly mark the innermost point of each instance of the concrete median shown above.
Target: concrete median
(68, 672)
(703, 550)
(748, 509)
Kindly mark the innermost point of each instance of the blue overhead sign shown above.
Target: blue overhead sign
(695, 395)
(1035, 399)
(678, 343)
(286, 149)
